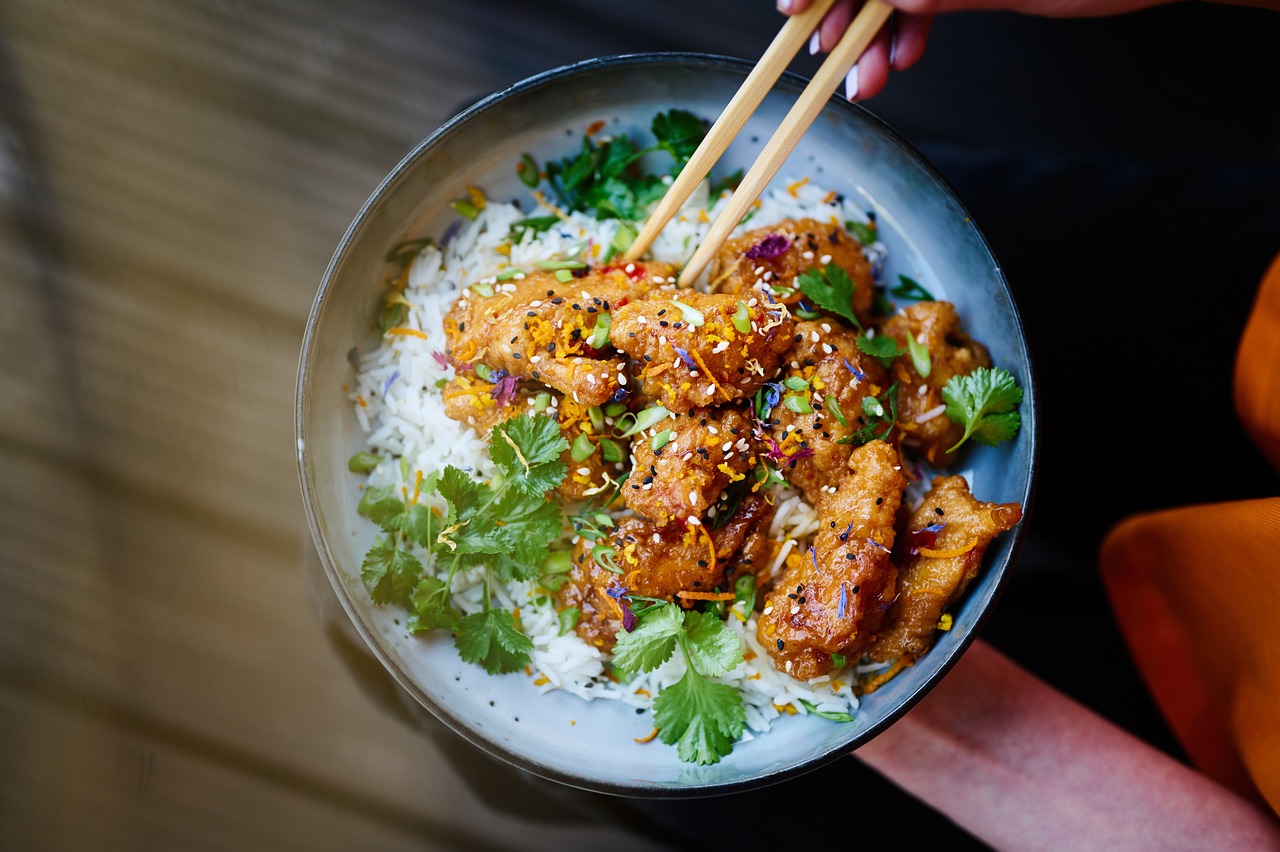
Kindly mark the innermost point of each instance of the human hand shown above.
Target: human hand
(901, 42)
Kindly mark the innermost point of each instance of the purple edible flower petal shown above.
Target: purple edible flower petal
(450, 233)
(773, 395)
(684, 356)
(440, 359)
(857, 374)
(844, 599)
(619, 593)
(390, 380)
(620, 394)
(771, 246)
(504, 389)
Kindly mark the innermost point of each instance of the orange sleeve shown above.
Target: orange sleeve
(1196, 592)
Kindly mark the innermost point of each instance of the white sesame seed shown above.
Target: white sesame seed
(728, 445)
(630, 267)
(584, 471)
(535, 359)
(826, 258)
(693, 498)
(807, 255)
(622, 378)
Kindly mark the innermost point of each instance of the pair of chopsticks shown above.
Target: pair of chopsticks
(794, 33)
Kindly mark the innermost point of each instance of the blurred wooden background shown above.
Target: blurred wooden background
(173, 179)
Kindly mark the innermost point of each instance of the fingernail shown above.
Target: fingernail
(815, 43)
(893, 49)
(851, 84)
(785, 5)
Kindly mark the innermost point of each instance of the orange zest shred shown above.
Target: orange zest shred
(707, 371)
(885, 676)
(711, 545)
(649, 738)
(947, 554)
(407, 332)
(705, 596)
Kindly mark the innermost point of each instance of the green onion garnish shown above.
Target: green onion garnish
(582, 448)
(568, 619)
(603, 554)
(597, 418)
(563, 275)
(485, 290)
(798, 404)
(611, 450)
(363, 462)
(919, 356)
(527, 170)
(643, 420)
(692, 316)
(625, 236)
(465, 208)
(833, 405)
(660, 440)
(541, 402)
(742, 318)
(560, 264)
(613, 409)
(483, 371)
(600, 334)
(872, 406)
(796, 383)
(508, 274)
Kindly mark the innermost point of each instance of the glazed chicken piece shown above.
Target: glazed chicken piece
(939, 554)
(483, 405)
(704, 451)
(832, 600)
(538, 328)
(837, 374)
(693, 354)
(774, 256)
(952, 352)
(661, 563)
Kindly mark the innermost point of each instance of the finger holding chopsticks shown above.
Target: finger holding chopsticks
(897, 46)
(829, 77)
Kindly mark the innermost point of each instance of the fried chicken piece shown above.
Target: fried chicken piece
(661, 563)
(538, 328)
(694, 356)
(774, 256)
(709, 448)
(832, 600)
(482, 405)
(805, 445)
(929, 585)
(952, 352)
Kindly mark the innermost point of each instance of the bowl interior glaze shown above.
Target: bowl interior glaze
(930, 236)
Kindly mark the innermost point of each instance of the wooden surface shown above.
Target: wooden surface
(173, 179)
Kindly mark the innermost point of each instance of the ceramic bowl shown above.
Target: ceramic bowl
(929, 234)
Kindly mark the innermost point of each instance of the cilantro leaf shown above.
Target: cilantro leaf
(831, 289)
(527, 450)
(679, 132)
(429, 606)
(652, 641)
(702, 719)
(389, 573)
(909, 288)
(712, 648)
(881, 346)
(491, 639)
(984, 402)
(516, 533)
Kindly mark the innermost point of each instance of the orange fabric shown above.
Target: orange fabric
(1196, 592)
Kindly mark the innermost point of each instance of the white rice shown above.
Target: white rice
(402, 414)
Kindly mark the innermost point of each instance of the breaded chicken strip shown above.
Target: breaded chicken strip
(952, 352)
(833, 599)
(774, 256)
(660, 563)
(540, 328)
(940, 554)
(698, 350)
(704, 452)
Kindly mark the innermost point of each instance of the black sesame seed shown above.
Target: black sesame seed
(780, 644)
(938, 510)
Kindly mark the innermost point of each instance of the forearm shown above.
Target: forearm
(1021, 766)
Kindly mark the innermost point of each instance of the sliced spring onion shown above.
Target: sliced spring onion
(600, 334)
(796, 383)
(568, 619)
(363, 462)
(483, 371)
(798, 404)
(485, 290)
(527, 170)
(919, 356)
(582, 448)
(623, 238)
(742, 318)
(643, 420)
(864, 233)
(508, 274)
(691, 315)
(597, 418)
(603, 520)
(660, 440)
(833, 405)
(613, 409)
(560, 264)
(806, 314)
(839, 660)
(872, 406)
(563, 275)
(463, 207)
(542, 401)
(557, 562)
(604, 555)
(611, 450)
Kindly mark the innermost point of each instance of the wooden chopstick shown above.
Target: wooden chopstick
(830, 75)
(790, 38)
